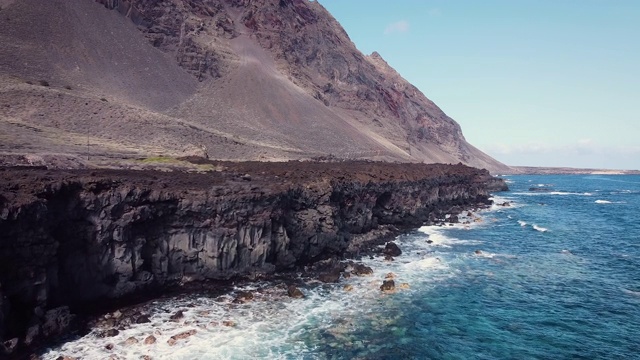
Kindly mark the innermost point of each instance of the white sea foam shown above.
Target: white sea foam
(560, 193)
(540, 228)
(522, 223)
(631, 292)
(603, 202)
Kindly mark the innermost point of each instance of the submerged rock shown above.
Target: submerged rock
(110, 333)
(143, 319)
(131, 340)
(294, 292)
(244, 296)
(150, 340)
(183, 335)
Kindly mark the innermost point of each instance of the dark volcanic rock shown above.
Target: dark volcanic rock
(177, 316)
(392, 249)
(388, 286)
(72, 239)
(294, 292)
(361, 270)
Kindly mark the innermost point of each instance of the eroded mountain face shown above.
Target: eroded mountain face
(262, 79)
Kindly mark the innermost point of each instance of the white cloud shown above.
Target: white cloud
(401, 26)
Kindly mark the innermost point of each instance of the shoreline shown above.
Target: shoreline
(294, 214)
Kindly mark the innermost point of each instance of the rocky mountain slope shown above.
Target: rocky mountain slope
(232, 79)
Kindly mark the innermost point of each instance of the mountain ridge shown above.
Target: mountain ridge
(243, 79)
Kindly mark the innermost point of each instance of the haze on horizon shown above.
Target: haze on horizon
(532, 82)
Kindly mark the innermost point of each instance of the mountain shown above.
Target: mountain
(231, 79)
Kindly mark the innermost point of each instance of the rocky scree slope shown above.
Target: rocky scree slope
(245, 79)
(77, 238)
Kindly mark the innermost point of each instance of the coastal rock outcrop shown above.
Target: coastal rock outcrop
(71, 240)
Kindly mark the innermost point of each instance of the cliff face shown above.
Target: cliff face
(244, 79)
(74, 238)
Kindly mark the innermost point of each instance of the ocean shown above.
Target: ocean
(554, 274)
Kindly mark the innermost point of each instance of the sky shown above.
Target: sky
(531, 82)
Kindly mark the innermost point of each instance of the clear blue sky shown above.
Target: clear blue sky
(531, 82)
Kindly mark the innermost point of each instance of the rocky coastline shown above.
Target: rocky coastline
(72, 240)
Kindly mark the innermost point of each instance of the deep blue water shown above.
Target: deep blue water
(557, 277)
(571, 292)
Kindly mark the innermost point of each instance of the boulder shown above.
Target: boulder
(56, 321)
(143, 319)
(294, 292)
(390, 276)
(110, 333)
(149, 340)
(244, 296)
(330, 277)
(183, 335)
(132, 340)
(361, 270)
(177, 316)
(348, 287)
(392, 249)
(388, 286)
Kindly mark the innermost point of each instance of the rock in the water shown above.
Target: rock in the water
(330, 277)
(404, 286)
(143, 319)
(177, 316)
(361, 270)
(132, 340)
(150, 340)
(228, 323)
(388, 258)
(348, 287)
(109, 346)
(294, 292)
(110, 333)
(244, 296)
(390, 276)
(388, 286)
(392, 249)
(65, 357)
(183, 335)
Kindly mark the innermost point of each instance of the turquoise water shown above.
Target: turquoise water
(557, 277)
(570, 292)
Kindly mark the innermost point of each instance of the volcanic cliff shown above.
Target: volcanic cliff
(228, 79)
(72, 239)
